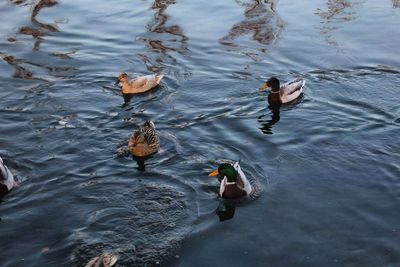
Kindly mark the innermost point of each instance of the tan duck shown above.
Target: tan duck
(104, 260)
(285, 93)
(234, 184)
(144, 141)
(138, 85)
(6, 179)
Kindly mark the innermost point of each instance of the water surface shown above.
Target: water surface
(326, 170)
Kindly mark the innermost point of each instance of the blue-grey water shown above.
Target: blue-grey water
(326, 169)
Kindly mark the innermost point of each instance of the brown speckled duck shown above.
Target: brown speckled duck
(234, 184)
(144, 141)
(285, 93)
(104, 260)
(138, 85)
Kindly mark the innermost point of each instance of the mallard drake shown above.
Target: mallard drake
(138, 85)
(144, 141)
(104, 260)
(6, 179)
(285, 93)
(234, 184)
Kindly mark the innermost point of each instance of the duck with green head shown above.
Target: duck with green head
(285, 93)
(234, 184)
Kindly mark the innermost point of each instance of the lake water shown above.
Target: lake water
(326, 169)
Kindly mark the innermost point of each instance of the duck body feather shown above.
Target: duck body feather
(292, 90)
(141, 84)
(144, 141)
(6, 179)
(238, 189)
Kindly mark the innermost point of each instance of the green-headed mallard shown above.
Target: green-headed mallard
(104, 260)
(138, 85)
(234, 184)
(285, 93)
(144, 141)
(6, 179)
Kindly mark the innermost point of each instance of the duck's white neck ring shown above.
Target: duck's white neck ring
(274, 92)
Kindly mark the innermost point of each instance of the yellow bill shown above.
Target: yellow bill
(263, 87)
(214, 173)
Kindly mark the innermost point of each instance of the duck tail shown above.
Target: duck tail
(149, 124)
(158, 78)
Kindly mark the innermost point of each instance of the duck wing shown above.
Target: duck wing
(146, 135)
(241, 179)
(150, 134)
(224, 182)
(292, 90)
(147, 82)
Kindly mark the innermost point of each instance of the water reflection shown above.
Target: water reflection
(17, 2)
(162, 38)
(225, 211)
(396, 3)
(20, 72)
(35, 32)
(261, 21)
(36, 9)
(23, 73)
(265, 124)
(337, 11)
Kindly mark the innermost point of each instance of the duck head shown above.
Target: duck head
(225, 170)
(273, 83)
(123, 77)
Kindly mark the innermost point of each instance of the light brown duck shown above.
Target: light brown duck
(138, 85)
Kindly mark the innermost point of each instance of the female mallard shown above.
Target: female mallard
(234, 184)
(104, 260)
(138, 85)
(6, 179)
(144, 141)
(285, 93)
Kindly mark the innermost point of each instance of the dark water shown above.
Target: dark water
(326, 169)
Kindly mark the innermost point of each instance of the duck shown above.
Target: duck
(6, 179)
(285, 93)
(234, 184)
(138, 85)
(104, 260)
(144, 142)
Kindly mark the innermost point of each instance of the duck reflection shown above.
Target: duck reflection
(337, 11)
(261, 21)
(225, 211)
(396, 3)
(162, 38)
(265, 124)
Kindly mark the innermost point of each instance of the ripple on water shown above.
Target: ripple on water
(144, 225)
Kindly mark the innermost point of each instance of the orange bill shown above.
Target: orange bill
(263, 87)
(214, 173)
